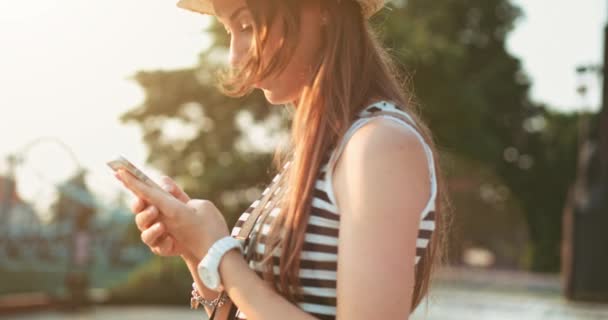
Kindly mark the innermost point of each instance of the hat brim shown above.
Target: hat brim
(369, 7)
(200, 6)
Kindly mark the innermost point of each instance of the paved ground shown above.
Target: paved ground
(448, 305)
(116, 313)
(456, 295)
(460, 294)
(458, 304)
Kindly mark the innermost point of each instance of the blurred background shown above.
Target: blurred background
(513, 90)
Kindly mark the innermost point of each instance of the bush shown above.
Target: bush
(160, 281)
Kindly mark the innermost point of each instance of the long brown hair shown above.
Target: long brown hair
(353, 68)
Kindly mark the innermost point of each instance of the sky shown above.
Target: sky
(552, 39)
(65, 68)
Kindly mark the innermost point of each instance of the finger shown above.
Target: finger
(138, 205)
(146, 218)
(166, 203)
(165, 244)
(151, 235)
(170, 186)
(156, 251)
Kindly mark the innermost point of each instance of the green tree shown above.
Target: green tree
(475, 97)
(209, 156)
(473, 93)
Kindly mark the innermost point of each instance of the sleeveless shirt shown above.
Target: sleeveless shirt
(319, 256)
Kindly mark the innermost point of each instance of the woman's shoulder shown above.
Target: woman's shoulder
(383, 144)
(379, 127)
(387, 141)
(382, 173)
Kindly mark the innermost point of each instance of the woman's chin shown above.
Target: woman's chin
(271, 97)
(277, 99)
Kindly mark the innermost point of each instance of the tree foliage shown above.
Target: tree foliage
(472, 92)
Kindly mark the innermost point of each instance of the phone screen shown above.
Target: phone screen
(122, 162)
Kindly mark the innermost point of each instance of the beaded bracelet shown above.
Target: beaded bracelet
(197, 299)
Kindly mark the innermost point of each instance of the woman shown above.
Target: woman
(360, 177)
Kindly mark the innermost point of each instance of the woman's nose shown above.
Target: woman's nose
(239, 49)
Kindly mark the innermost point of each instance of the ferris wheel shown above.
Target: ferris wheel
(39, 174)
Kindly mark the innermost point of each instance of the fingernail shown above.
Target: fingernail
(168, 187)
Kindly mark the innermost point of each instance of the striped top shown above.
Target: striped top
(319, 257)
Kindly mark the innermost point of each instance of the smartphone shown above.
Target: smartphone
(122, 163)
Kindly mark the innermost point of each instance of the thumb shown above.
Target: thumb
(170, 186)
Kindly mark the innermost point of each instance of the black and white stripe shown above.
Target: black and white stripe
(319, 257)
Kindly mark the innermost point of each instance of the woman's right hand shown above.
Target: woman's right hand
(149, 221)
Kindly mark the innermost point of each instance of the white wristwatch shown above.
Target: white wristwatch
(208, 268)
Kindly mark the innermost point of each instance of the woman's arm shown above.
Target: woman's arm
(222, 312)
(196, 225)
(252, 295)
(381, 187)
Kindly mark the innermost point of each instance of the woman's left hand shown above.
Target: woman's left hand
(196, 225)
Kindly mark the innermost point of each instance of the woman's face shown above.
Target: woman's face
(286, 86)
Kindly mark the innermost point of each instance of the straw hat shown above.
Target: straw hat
(369, 7)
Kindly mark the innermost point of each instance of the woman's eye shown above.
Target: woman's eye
(240, 29)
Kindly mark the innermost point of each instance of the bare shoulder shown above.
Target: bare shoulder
(385, 136)
(382, 160)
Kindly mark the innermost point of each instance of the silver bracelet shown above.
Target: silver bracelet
(197, 299)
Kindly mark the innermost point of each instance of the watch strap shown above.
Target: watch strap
(214, 255)
(221, 246)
